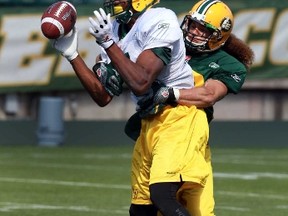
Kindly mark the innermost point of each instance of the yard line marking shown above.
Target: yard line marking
(254, 195)
(242, 161)
(250, 176)
(9, 206)
(282, 207)
(64, 183)
(233, 208)
(84, 155)
(87, 156)
(243, 176)
(65, 166)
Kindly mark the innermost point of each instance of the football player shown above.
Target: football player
(220, 62)
(145, 44)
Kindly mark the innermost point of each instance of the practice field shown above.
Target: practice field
(94, 181)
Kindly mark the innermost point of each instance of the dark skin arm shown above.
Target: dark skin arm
(139, 75)
(204, 96)
(90, 82)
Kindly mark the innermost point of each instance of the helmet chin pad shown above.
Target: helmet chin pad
(118, 9)
(124, 17)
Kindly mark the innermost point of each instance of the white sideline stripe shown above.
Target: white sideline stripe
(254, 195)
(86, 156)
(243, 176)
(126, 187)
(250, 176)
(67, 166)
(8, 207)
(64, 183)
(250, 162)
(232, 208)
(263, 159)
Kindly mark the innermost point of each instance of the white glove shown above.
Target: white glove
(101, 28)
(67, 45)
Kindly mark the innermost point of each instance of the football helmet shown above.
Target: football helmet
(124, 10)
(216, 17)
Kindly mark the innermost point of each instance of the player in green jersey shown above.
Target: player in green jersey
(225, 66)
(220, 62)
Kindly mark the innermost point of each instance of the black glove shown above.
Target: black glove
(156, 99)
(109, 78)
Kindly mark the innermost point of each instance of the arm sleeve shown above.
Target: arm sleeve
(233, 80)
(163, 53)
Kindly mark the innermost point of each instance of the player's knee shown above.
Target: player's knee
(142, 210)
(163, 196)
(163, 193)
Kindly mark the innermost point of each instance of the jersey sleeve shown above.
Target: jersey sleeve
(163, 53)
(161, 29)
(232, 73)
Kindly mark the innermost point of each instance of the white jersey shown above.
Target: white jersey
(158, 27)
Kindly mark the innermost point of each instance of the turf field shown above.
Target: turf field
(86, 181)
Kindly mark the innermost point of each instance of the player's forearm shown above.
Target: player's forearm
(138, 76)
(129, 71)
(204, 96)
(90, 82)
(200, 97)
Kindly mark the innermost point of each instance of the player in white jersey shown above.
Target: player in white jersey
(157, 33)
(144, 46)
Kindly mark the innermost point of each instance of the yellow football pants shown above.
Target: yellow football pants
(171, 148)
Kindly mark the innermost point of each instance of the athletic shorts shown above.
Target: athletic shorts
(171, 148)
(199, 201)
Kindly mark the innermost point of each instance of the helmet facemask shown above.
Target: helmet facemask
(115, 9)
(199, 42)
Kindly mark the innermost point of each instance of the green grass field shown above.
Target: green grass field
(74, 181)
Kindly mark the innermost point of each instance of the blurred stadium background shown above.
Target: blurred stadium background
(89, 173)
(31, 70)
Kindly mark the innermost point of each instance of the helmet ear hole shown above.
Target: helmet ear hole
(217, 35)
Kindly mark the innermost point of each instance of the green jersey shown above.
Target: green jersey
(217, 65)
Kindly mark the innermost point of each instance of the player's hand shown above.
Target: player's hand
(156, 99)
(67, 45)
(109, 77)
(101, 28)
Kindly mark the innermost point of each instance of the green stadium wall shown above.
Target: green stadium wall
(30, 64)
(270, 134)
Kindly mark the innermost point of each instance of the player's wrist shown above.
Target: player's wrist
(174, 95)
(107, 44)
(72, 57)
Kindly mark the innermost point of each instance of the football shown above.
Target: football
(58, 20)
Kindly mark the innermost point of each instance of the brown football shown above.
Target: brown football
(58, 20)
